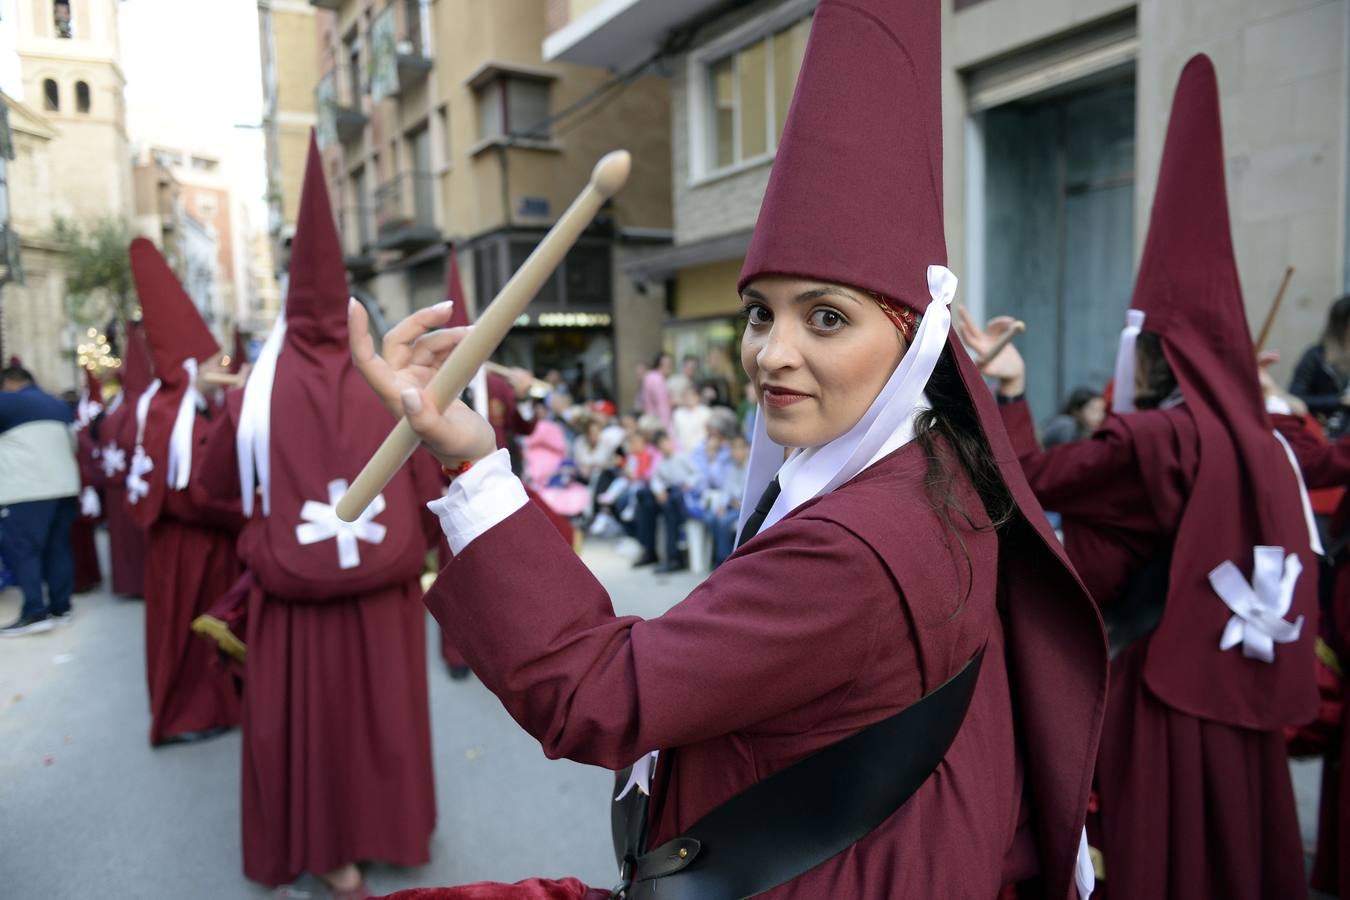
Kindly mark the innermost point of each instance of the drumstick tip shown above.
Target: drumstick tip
(611, 172)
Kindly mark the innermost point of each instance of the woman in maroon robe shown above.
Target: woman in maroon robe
(83, 546)
(1178, 502)
(897, 550)
(190, 558)
(117, 443)
(336, 730)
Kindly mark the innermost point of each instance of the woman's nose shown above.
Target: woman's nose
(779, 351)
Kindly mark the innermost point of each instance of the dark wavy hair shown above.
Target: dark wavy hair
(1151, 362)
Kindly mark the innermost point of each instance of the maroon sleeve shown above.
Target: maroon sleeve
(213, 487)
(1324, 465)
(768, 632)
(1094, 480)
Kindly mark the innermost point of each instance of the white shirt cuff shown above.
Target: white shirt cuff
(1277, 404)
(482, 497)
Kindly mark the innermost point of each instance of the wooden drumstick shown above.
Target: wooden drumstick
(609, 175)
(224, 379)
(1274, 310)
(508, 372)
(1003, 340)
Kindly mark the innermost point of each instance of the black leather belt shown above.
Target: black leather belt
(800, 816)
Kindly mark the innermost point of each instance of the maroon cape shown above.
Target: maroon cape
(1189, 807)
(1328, 465)
(819, 626)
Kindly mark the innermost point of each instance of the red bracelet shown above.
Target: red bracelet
(458, 470)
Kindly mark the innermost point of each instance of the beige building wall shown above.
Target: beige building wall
(291, 69)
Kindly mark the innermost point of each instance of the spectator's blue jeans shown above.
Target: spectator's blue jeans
(35, 543)
(723, 528)
(672, 512)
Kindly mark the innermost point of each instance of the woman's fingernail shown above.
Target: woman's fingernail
(412, 404)
(445, 305)
(351, 305)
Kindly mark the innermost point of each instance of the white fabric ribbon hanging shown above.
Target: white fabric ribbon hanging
(253, 440)
(86, 411)
(180, 439)
(819, 470)
(141, 463)
(321, 522)
(90, 506)
(1084, 875)
(1259, 608)
(1122, 399)
(116, 403)
(114, 459)
(479, 393)
(1314, 538)
(641, 775)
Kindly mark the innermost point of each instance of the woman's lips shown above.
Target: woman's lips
(779, 398)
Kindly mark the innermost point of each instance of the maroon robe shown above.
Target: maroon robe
(1189, 807)
(83, 547)
(336, 730)
(1325, 466)
(126, 539)
(190, 560)
(833, 619)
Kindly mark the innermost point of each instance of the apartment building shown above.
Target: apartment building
(443, 126)
(1055, 112)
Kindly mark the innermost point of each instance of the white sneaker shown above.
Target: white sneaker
(27, 625)
(63, 619)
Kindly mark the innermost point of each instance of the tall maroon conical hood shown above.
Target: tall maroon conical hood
(136, 372)
(1245, 493)
(174, 328)
(855, 198)
(316, 298)
(454, 290)
(856, 191)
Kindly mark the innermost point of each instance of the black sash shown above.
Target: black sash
(1139, 609)
(798, 817)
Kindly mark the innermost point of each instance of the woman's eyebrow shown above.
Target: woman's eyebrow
(831, 291)
(752, 294)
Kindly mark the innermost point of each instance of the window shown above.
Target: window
(518, 107)
(444, 117)
(82, 96)
(61, 17)
(749, 91)
(206, 207)
(51, 95)
(352, 50)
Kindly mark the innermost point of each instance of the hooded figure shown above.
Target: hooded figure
(335, 625)
(881, 560)
(1189, 522)
(190, 558)
(89, 416)
(117, 444)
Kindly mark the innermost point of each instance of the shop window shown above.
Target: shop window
(748, 94)
(82, 96)
(51, 95)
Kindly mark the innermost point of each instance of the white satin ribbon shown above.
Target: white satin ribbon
(114, 459)
(1259, 608)
(321, 522)
(86, 411)
(1084, 875)
(90, 506)
(180, 439)
(641, 775)
(116, 403)
(253, 440)
(1314, 538)
(1122, 399)
(479, 393)
(819, 470)
(141, 463)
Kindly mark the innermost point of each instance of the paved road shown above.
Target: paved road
(88, 809)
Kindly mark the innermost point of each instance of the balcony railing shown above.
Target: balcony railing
(340, 114)
(405, 212)
(400, 52)
(326, 4)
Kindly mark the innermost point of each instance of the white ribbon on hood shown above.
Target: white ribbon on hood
(1122, 400)
(180, 439)
(1259, 608)
(141, 463)
(818, 470)
(253, 440)
(114, 459)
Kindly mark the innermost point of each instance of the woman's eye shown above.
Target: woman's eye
(757, 315)
(826, 320)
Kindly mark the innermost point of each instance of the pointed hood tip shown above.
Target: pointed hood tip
(316, 297)
(174, 329)
(454, 290)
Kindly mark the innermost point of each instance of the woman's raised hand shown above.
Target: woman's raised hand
(413, 352)
(1008, 367)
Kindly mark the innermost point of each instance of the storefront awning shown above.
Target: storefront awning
(662, 265)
